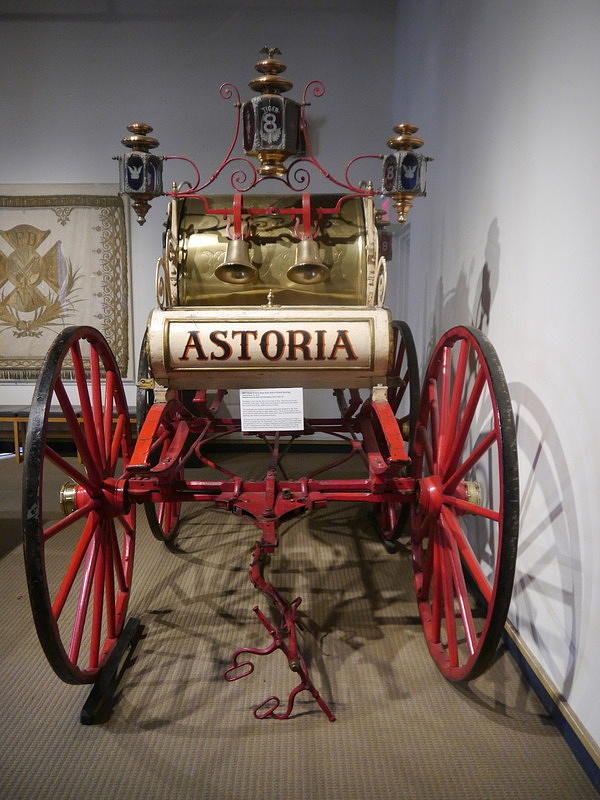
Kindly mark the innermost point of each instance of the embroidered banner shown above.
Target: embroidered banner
(63, 261)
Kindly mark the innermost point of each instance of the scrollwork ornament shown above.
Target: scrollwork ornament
(240, 180)
(381, 282)
(229, 90)
(160, 284)
(316, 88)
(298, 178)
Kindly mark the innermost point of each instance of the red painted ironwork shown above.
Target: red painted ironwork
(296, 177)
(266, 502)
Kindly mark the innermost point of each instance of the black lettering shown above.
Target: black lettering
(343, 343)
(279, 345)
(223, 344)
(293, 345)
(193, 343)
(244, 355)
(320, 345)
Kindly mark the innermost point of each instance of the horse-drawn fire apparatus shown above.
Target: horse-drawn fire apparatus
(271, 294)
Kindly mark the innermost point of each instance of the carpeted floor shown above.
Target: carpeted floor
(180, 731)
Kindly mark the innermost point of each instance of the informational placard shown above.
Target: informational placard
(272, 409)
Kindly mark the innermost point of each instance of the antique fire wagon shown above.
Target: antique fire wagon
(272, 294)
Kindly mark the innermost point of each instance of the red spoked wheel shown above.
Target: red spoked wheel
(403, 396)
(163, 517)
(79, 529)
(465, 521)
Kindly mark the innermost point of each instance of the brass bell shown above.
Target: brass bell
(237, 267)
(308, 267)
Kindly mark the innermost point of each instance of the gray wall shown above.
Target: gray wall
(506, 94)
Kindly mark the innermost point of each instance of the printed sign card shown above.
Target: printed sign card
(272, 409)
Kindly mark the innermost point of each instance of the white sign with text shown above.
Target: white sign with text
(272, 409)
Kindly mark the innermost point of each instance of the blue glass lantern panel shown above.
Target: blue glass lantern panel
(133, 173)
(154, 175)
(409, 173)
(141, 173)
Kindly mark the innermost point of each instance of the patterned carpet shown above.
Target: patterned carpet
(180, 731)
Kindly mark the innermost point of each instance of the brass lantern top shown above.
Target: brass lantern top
(270, 81)
(405, 139)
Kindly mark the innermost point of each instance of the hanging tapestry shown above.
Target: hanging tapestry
(63, 261)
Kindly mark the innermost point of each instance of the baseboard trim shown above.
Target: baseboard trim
(584, 748)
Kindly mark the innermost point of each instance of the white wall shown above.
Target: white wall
(506, 94)
(75, 73)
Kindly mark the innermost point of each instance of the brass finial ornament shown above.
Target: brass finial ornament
(270, 81)
(271, 122)
(404, 171)
(140, 172)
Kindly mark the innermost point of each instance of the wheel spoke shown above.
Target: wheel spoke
(89, 423)
(83, 602)
(115, 447)
(67, 521)
(462, 594)
(75, 430)
(465, 422)
(471, 508)
(116, 555)
(448, 593)
(426, 563)
(436, 588)
(426, 444)
(459, 385)
(109, 577)
(126, 524)
(97, 605)
(74, 564)
(452, 527)
(435, 423)
(469, 462)
(97, 401)
(108, 413)
(71, 470)
(444, 401)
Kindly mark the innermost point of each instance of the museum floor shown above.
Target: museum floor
(180, 731)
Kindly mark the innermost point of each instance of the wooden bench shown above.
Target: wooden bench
(18, 416)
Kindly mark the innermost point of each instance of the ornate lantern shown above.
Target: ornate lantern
(140, 171)
(404, 171)
(274, 129)
(271, 122)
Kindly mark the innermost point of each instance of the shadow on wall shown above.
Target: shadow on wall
(549, 556)
(454, 307)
